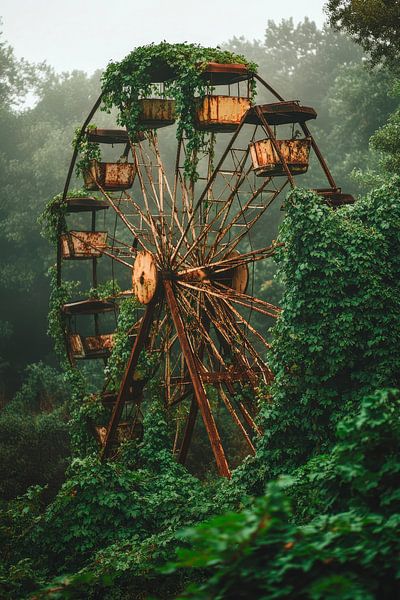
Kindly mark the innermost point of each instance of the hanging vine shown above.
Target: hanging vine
(87, 151)
(124, 83)
(52, 219)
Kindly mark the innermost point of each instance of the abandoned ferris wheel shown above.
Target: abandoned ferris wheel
(185, 246)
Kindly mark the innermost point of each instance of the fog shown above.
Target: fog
(86, 35)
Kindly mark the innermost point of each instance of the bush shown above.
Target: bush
(34, 440)
(348, 550)
(338, 338)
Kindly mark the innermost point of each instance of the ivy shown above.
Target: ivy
(105, 291)
(125, 82)
(87, 151)
(338, 337)
(59, 295)
(347, 545)
(53, 217)
(329, 530)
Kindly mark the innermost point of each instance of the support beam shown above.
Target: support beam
(127, 381)
(198, 388)
(188, 433)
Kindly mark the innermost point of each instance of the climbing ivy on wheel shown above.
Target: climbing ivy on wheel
(338, 337)
(125, 82)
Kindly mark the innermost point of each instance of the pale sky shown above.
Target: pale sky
(87, 34)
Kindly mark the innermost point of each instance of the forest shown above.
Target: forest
(314, 511)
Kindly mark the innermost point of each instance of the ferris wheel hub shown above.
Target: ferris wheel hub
(145, 277)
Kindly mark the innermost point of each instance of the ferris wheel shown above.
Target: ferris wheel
(186, 247)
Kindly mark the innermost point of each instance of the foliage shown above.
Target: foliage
(42, 391)
(118, 522)
(127, 317)
(386, 140)
(338, 442)
(349, 549)
(125, 82)
(34, 440)
(125, 334)
(17, 77)
(332, 347)
(52, 218)
(18, 576)
(113, 520)
(105, 290)
(87, 151)
(351, 101)
(59, 295)
(367, 93)
(375, 24)
(362, 472)
(34, 152)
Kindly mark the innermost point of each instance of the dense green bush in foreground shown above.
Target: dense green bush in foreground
(34, 437)
(348, 504)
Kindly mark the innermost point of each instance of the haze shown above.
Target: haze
(87, 35)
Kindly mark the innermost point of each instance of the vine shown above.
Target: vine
(59, 295)
(53, 218)
(105, 291)
(330, 348)
(122, 346)
(124, 83)
(87, 151)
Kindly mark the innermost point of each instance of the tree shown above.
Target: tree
(375, 24)
(35, 149)
(386, 140)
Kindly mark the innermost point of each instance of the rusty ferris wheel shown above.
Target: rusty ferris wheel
(185, 246)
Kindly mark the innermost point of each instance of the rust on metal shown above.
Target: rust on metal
(183, 238)
(334, 197)
(76, 346)
(225, 73)
(111, 136)
(94, 346)
(144, 277)
(281, 113)
(319, 156)
(77, 245)
(221, 113)
(266, 161)
(236, 277)
(101, 433)
(199, 391)
(156, 112)
(127, 388)
(98, 343)
(91, 306)
(86, 204)
(231, 375)
(110, 176)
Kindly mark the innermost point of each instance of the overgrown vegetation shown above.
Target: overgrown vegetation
(329, 531)
(87, 151)
(331, 347)
(375, 24)
(315, 514)
(125, 82)
(326, 428)
(35, 151)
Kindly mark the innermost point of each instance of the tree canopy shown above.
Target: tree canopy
(375, 24)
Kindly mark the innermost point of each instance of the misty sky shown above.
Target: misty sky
(86, 34)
